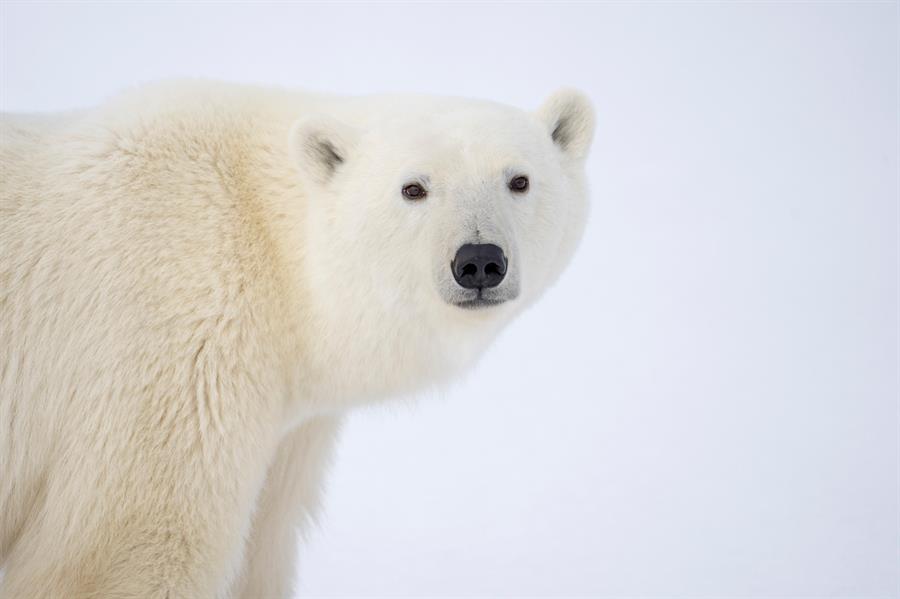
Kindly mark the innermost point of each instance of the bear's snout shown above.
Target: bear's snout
(479, 266)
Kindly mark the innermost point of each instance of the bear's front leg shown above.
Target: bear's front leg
(287, 505)
(151, 499)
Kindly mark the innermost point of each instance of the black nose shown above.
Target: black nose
(479, 266)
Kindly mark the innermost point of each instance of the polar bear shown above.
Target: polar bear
(198, 279)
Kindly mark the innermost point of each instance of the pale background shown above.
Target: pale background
(707, 403)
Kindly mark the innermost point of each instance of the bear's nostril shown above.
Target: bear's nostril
(469, 269)
(492, 269)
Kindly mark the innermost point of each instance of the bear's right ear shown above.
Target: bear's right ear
(321, 144)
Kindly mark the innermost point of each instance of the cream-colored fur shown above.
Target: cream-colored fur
(198, 279)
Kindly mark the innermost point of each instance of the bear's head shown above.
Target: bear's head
(430, 222)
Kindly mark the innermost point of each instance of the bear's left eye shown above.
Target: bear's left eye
(519, 184)
(414, 191)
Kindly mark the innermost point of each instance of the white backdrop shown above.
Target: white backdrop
(707, 403)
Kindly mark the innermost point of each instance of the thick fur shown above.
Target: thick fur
(198, 279)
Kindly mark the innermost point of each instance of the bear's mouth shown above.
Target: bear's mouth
(480, 298)
(479, 302)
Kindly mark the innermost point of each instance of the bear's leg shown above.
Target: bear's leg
(288, 503)
(160, 512)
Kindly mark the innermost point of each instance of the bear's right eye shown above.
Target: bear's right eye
(414, 191)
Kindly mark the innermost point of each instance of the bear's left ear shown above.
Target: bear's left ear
(321, 145)
(569, 118)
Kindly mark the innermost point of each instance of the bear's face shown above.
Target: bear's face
(433, 221)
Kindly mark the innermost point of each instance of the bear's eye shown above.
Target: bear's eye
(414, 191)
(519, 184)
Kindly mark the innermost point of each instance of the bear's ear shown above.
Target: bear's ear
(569, 119)
(321, 145)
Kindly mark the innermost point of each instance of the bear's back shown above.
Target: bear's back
(130, 240)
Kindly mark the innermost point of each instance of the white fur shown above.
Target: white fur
(193, 288)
